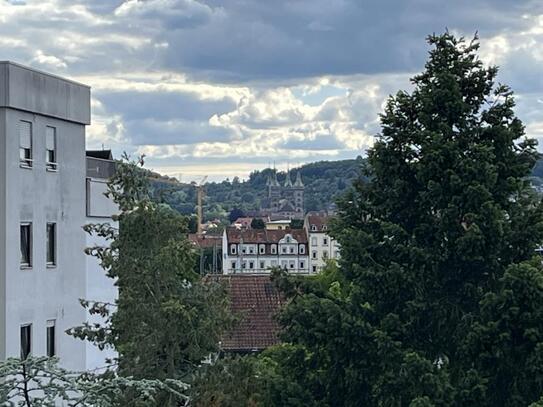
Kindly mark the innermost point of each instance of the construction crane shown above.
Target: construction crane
(200, 196)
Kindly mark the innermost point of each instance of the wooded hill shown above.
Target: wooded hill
(324, 181)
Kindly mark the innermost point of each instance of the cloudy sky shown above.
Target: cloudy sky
(224, 87)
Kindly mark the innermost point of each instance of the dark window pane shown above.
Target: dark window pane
(26, 237)
(51, 341)
(26, 335)
(51, 243)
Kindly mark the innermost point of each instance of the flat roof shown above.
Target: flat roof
(28, 68)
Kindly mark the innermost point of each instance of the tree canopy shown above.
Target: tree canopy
(440, 297)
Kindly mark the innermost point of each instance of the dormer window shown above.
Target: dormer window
(324, 227)
(313, 228)
(274, 249)
(233, 249)
(262, 249)
(302, 249)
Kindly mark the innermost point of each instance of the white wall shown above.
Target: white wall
(41, 293)
(99, 287)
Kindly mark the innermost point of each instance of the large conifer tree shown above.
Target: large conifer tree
(443, 298)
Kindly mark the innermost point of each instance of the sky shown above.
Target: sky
(221, 88)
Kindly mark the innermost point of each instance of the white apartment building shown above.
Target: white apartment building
(322, 246)
(258, 250)
(43, 206)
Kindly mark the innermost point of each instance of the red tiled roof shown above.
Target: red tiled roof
(264, 235)
(204, 241)
(320, 221)
(255, 301)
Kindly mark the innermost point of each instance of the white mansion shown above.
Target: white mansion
(255, 251)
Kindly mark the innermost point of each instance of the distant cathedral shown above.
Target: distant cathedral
(284, 201)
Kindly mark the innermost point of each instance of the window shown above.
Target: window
(251, 265)
(243, 249)
(262, 249)
(25, 144)
(273, 263)
(302, 264)
(274, 249)
(324, 227)
(283, 250)
(251, 250)
(51, 244)
(262, 265)
(314, 228)
(325, 254)
(26, 244)
(244, 265)
(233, 265)
(314, 241)
(284, 264)
(51, 148)
(291, 250)
(291, 264)
(26, 340)
(302, 249)
(314, 254)
(50, 327)
(325, 241)
(314, 269)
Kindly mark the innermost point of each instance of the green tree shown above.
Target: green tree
(258, 223)
(235, 214)
(441, 302)
(40, 382)
(166, 319)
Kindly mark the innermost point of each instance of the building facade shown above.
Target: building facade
(322, 246)
(99, 209)
(284, 201)
(259, 250)
(43, 199)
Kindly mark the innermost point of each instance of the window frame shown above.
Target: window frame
(51, 165)
(26, 264)
(51, 263)
(24, 355)
(24, 161)
(50, 345)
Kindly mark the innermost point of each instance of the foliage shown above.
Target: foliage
(324, 182)
(258, 223)
(440, 300)
(166, 319)
(38, 381)
(227, 382)
(297, 224)
(235, 214)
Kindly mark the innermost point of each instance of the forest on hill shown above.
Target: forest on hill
(324, 181)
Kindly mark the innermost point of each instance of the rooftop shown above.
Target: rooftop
(256, 302)
(263, 235)
(28, 89)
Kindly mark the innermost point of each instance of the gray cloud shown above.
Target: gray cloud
(242, 83)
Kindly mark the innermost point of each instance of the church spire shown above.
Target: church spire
(298, 183)
(288, 181)
(273, 179)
